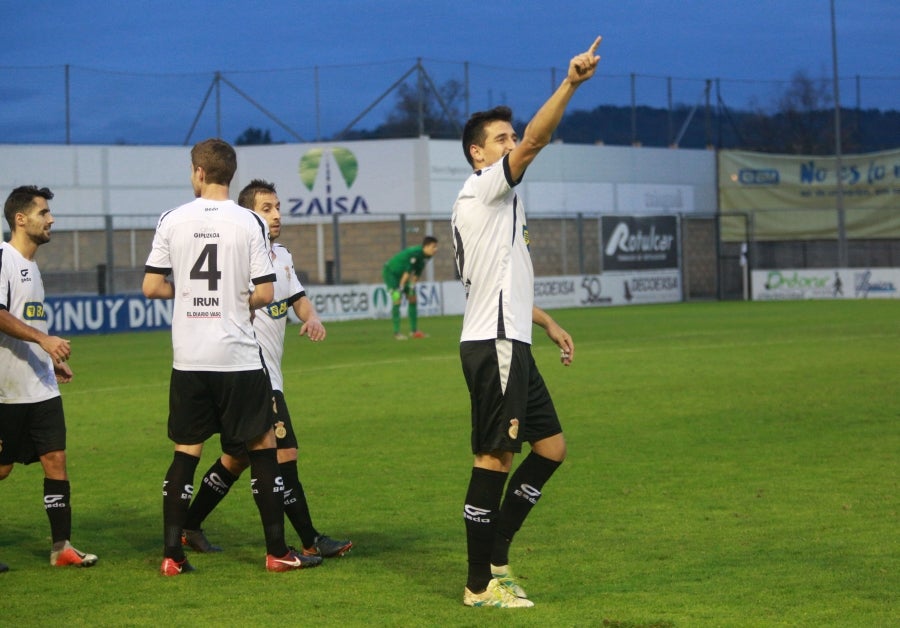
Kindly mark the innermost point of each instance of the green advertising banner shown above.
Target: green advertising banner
(794, 196)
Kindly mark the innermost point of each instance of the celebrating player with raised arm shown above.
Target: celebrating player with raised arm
(510, 403)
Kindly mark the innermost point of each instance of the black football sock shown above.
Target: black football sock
(268, 494)
(213, 488)
(178, 489)
(480, 513)
(295, 506)
(522, 494)
(56, 503)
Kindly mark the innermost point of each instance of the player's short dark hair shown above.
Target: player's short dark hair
(474, 132)
(217, 158)
(20, 201)
(247, 197)
(429, 240)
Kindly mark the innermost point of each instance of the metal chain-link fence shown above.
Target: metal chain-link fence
(71, 104)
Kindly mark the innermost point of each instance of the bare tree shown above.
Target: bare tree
(801, 121)
(253, 136)
(440, 112)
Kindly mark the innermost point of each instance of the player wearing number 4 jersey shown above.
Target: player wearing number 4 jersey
(270, 324)
(215, 250)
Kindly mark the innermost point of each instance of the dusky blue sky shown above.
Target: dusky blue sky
(139, 70)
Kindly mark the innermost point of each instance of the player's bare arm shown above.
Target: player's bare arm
(540, 130)
(262, 295)
(557, 334)
(156, 286)
(57, 348)
(312, 327)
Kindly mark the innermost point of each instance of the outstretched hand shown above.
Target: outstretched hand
(583, 66)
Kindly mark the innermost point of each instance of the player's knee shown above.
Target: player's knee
(54, 463)
(396, 296)
(5, 470)
(235, 465)
(288, 454)
(553, 448)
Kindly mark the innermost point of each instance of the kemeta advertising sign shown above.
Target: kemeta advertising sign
(337, 303)
(639, 243)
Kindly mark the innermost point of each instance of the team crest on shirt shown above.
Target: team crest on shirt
(513, 429)
(526, 237)
(287, 274)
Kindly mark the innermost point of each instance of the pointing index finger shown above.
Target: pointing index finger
(593, 49)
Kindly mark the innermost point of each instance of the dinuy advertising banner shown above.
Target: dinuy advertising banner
(639, 243)
(106, 314)
(69, 316)
(109, 314)
(826, 283)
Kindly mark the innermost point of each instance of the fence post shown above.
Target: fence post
(579, 225)
(110, 255)
(336, 239)
(101, 280)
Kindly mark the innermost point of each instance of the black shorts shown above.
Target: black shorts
(30, 430)
(510, 402)
(237, 405)
(279, 419)
(282, 419)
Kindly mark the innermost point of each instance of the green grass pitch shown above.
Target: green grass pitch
(730, 464)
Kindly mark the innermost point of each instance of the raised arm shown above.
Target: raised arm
(540, 130)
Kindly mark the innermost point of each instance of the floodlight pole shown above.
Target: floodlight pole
(839, 166)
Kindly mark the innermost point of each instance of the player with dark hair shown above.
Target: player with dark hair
(400, 274)
(32, 365)
(270, 324)
(510, 402)
(215, 251)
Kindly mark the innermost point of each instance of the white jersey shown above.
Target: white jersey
(26, 370)
(490, 243)
(271, 321)
(215, 250)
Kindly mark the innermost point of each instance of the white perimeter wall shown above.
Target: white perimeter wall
(419, 177)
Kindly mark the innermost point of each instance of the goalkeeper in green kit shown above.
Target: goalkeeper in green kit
(401, 273)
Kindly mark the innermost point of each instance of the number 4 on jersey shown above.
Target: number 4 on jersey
(207, 266)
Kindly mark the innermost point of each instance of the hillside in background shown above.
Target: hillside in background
(784, 132)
